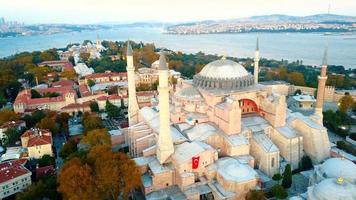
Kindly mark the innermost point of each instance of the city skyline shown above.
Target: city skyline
(86, 12)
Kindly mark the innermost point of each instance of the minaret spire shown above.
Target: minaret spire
(257, 59)
(321, 88)
(164, 144)
(133, 105)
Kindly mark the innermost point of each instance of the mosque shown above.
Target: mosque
(215, 136)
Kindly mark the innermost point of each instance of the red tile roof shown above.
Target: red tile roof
(145, 93)
(108, 74)
(64, 63)
(39, 140)
(33, 132)
(41, 171)
(12, 124)
(12, 169)
(63, 83)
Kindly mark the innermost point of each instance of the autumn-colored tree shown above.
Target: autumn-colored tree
(69, 75)
(48, 123)
(282, 73)
(175, 64)
(96, 137)
(39, 72)
(76, 181)
(84, 56)
(8, 115)
(91, 122)
(198, 68)
(120, 179)
(255, 195)
(296, 78)
(345, 103)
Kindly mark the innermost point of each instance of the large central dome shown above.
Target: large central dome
(223, 68)
(223, 74)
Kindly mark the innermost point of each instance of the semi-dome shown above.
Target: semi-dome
(336, 189)
(336, 167)
(190, 93)
(223, 74)
(223, 68)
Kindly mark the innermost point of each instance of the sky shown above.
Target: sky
(97, 11)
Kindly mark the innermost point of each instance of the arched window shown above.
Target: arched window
(272, 162)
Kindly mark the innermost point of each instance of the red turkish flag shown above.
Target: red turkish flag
(195, 162)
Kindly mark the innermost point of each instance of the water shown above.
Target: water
(308, 47)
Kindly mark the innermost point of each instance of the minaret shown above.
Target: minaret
(133, 106)
(257, 59)
(321, 89)
(164, 145)
(98, 42)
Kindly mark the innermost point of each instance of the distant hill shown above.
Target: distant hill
(310, 18)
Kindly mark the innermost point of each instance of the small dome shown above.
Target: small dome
(233, 170)
(336, 167)
(332, 189)
(223, 68)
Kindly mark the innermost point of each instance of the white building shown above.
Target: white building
(82, 69)
(14, 177)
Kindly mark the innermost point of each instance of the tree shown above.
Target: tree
(298, 92)
(277, 177)
(7, 115)
(69, 74)
(46, 160)
(255, 195)
(94, 107)
(112, 110)
(90, 83)
(306, 163)
(91, 122)
(287, 177)
(84, 56)
(76, 181)
(71, 59)
(279, 192)
(35, 94)
(121, 178)
(296, 78)
(12, 135)
(46, 188)
(345, 103)
(97, 137)
(48, 123)
(32, 120)
(62, 119)
(68, 148)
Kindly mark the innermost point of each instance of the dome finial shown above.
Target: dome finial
(340, 180)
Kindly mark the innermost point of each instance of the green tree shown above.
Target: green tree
(46, 188)
(46, 160)
(277, 177)
(94, 107)
(306, 163)
(35, 94)
(12, 135)
(298, 92)
(68, 148)
(279, 192)
(112, 110)
(90, 83)
(287, 177)
(345, 103)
